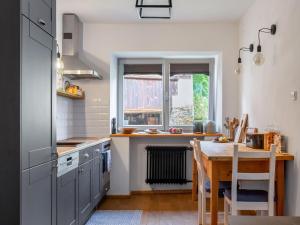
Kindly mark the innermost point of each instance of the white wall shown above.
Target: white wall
(101, 41)
(265, 90)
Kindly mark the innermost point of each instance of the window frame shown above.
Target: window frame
(166, 96)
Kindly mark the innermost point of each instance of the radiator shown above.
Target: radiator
(166, 164)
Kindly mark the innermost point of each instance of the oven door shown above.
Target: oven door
(106, 157)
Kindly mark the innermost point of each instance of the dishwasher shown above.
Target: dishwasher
(67, 163)
(67, 189)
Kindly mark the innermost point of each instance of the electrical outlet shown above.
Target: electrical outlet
(294, 95)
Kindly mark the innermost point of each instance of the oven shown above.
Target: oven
(106, 165)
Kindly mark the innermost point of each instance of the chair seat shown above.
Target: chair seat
(249, 195)
(223, 185)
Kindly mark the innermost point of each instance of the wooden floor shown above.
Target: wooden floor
(158, 209)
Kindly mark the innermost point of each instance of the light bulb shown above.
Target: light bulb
(259, 58)
(59, 65)
(237, 70)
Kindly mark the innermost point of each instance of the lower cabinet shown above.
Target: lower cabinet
(67, 198)
(85, 198)
(39, 195)
(79, 191)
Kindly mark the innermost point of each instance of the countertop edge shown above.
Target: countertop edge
(77, 149)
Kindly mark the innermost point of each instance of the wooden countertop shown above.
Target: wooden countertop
(161, 135)
(82, 139)
(224, 151)
(85, 142)
(64, 150)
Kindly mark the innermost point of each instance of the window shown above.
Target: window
(189, 93)
(143, 95)
(164, 93)
(189, 98)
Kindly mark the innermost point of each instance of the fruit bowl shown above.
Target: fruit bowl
(221, 140)
(127, 130)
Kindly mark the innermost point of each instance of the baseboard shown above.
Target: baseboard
(151, 192)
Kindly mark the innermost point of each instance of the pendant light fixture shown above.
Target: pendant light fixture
(259, 58)
(245, 49)
(154, 11)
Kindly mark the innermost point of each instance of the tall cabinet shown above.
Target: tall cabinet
(27, 113)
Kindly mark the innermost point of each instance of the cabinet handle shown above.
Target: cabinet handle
(81, 170)
(86, 155)
(42, 22)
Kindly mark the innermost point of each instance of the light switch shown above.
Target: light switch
(294, 95)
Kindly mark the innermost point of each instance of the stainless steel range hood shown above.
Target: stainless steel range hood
(74, 67)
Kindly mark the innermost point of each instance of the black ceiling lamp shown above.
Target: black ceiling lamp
(147, 11)
(259, 58)
(250, 49)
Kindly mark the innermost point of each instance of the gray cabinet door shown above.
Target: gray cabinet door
(67, 198)
(36, 95)
(97, 168)
(85, 191)
(40, 12)
(39, 195)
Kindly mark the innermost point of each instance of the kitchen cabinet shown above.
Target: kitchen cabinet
(39, 195)
(67, 198)
(40, 12)
(97, 175)
(36, 95)
(85, 155)
(85, 198)
(28, 132)
(80, 190)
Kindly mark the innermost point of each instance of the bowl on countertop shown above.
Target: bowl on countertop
(127, 130)
(175, 130)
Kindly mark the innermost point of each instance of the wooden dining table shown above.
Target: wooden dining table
(217, 160)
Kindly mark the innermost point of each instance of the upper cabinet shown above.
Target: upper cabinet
(40, 12)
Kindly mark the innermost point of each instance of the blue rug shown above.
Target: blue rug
(116, 217)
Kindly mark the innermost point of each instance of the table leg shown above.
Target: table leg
(214, 188)
(280, 188)
(194, 180)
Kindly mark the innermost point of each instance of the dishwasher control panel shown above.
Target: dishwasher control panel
(67, 163)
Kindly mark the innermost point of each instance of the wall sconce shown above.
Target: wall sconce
(238, 67)
(259, 58)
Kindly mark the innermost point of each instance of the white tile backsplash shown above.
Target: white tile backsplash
(64, 118)
(83, 118)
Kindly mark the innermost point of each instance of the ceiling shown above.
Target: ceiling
(184, 11)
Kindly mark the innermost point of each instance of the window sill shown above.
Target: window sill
(141, 135)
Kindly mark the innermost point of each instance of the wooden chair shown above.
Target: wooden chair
(259, 200)
(204, 185)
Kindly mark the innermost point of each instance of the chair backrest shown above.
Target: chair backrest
(198, 158)
(269, 176)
